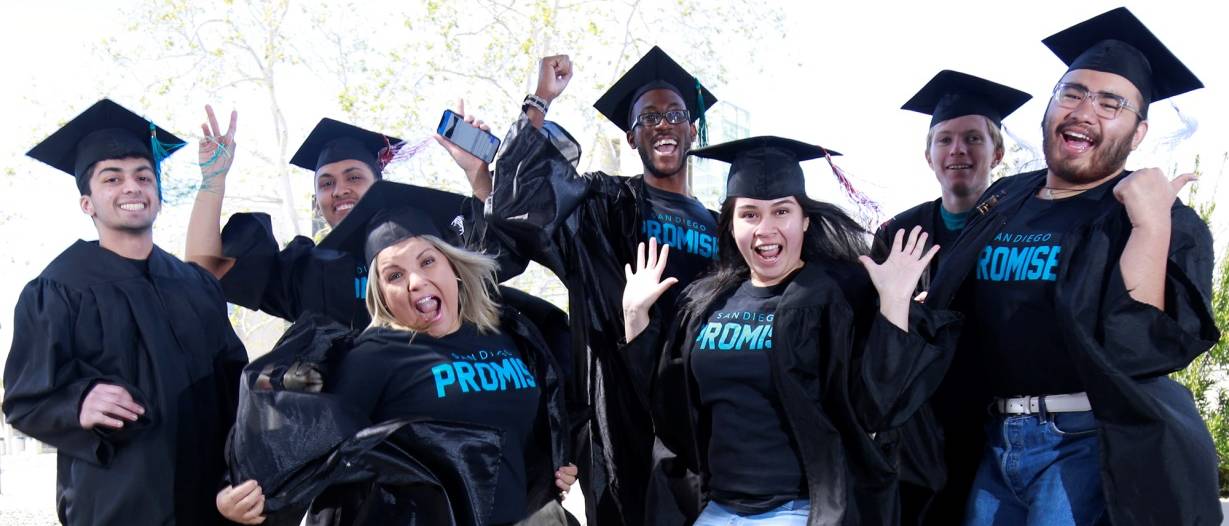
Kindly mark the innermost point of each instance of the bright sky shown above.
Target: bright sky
(839, 81)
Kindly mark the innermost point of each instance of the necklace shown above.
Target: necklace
(1047, 192)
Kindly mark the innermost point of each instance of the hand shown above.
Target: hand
(564, 478)
(217, 151)
(644, 286)
(244, 504)
(108, 406)
(554, 73)
(1148, 196)
(896, 278)
(476, 170)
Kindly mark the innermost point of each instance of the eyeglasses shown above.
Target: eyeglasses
(652, 119)
(1105, 105)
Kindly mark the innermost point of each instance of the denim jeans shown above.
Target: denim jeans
(1038, 471)
(792, 513)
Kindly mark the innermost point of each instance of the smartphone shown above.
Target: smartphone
(478, 143)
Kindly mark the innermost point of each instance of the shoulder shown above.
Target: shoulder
(918, 215)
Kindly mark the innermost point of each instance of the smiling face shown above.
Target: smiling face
(123, 196)
(1081, 147)
(339, 186)
(769, 235)
(419, 286)
(663, 148)
(962, 151)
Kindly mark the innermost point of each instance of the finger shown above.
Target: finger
(469, 119)
(213, 121)
(249, 501)
(912, 244)
(254, 513)
(930, 254)
(460, 109)
(485, 127)
(478, 123)
(661, 287)
(563, 486)
(652, 260)
(898, 240)
(124, 399)
(235, 494)
(205, 133)
(639, 256)
(921, 297)
(118, 411)
(1181, 181)
(100, 419)
(661, 261)
(233, 126)
(921, 244)
(870, 263)
(627, 271)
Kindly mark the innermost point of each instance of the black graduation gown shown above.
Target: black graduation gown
(92, 317)
(298, 443)
(1158, 463)
(925, 215)
(842, 370)
(304, 278)
(584, 228)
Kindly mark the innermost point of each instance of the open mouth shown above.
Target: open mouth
(665, 145)
(132, 207)
(1077, 142)
(343, 206)
(769, 253)
(429, 307)
(959, 167)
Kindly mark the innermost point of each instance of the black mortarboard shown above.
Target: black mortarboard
(104, 131)
(391, 212)
(332, 141)
(952, 94)
(655, 70)
(764, 167)
(1117, 42)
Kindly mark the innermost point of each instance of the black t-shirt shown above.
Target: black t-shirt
(462, 377)
(690, 230)
(1012, 316)
(754, 464)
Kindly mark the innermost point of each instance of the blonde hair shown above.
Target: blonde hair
(996, 136)
(475, 283)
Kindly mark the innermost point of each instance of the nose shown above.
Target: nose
(415, 281)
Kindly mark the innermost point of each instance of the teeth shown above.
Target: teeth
(665, 142)
(427, 304)
(767, 248)
(1077, 136)
(133, 207)
(343, 207)
(960, 166)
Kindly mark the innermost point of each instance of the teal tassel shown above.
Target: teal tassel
(160, 151)
(701, 123)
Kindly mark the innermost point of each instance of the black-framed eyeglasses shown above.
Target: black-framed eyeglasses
(1106, 105)
(653, 118)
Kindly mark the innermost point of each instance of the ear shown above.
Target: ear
(1141, 130)
(806, 223)
(87, 205)
(631, 138)
(998, 157)
(695, 132)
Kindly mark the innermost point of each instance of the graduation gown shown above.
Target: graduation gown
(163, 335)
(842, 370)
(299, 443)
(1158, 463)
(302, 277)
(584, 228)
(925, 215)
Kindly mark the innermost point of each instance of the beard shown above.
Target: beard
(1109, 156)
(646, 159)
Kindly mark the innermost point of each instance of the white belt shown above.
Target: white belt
(1027, 405)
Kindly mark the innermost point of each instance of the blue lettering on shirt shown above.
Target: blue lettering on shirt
(484, 371)
(736, 335)
(681, 234)
(1019, 257)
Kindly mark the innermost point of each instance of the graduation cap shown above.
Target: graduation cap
(332, 141)
(391, 212)
(764, 167)
(655, 70)
(105, 131)
(1117, 42)
(952, 94)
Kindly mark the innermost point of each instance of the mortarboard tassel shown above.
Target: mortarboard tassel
(401, 152)
(160, 150)
(701, 122)
(868, 209)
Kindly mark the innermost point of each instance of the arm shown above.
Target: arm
(49, 394)
(217, 152)
(1148, 197)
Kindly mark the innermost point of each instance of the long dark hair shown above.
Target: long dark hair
(832, 236)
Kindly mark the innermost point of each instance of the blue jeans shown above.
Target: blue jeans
(792, 513)
(1038, 471)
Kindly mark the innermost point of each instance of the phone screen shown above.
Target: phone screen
(471, 139)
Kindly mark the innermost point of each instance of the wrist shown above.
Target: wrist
(536, 101)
